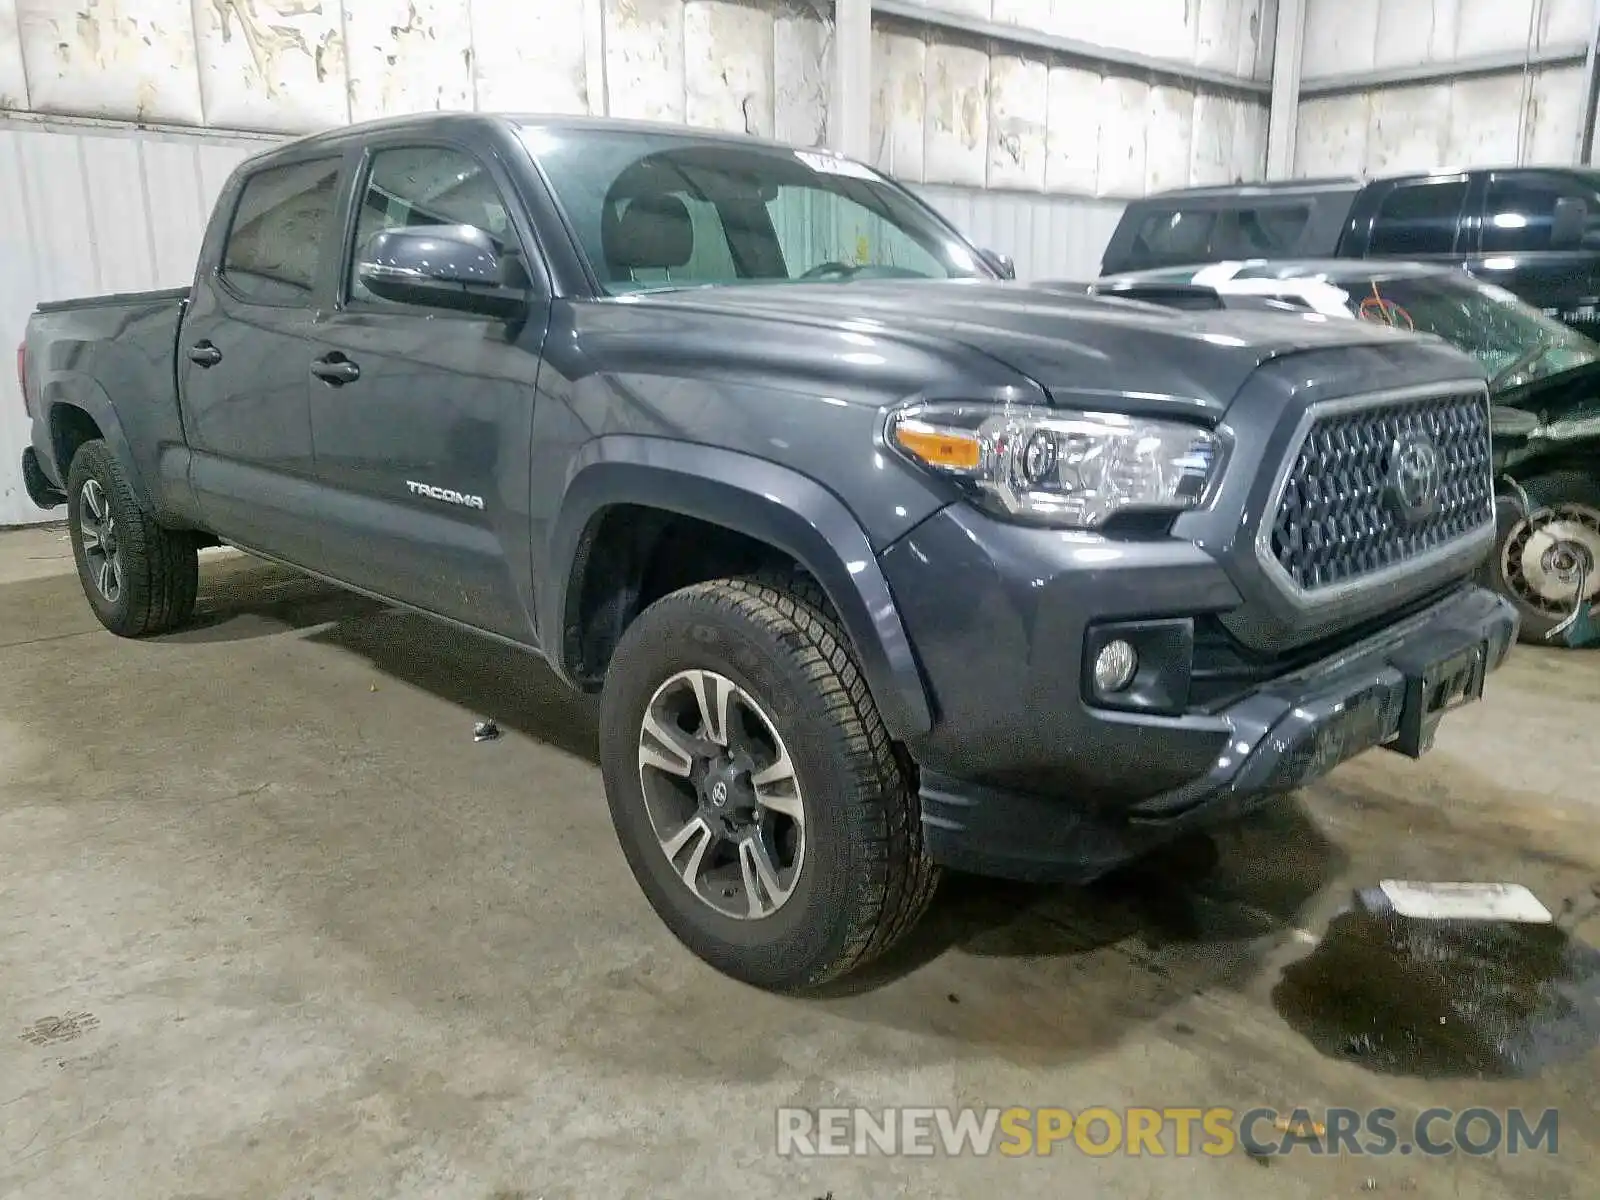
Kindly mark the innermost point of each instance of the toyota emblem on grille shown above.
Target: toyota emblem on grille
(1414, 476)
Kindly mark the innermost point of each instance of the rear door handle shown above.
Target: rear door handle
(336, 370)
(204, 354)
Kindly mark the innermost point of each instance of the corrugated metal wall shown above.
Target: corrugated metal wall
(85, 214)
(90, 212)
(1050, 237)
(1517, 117)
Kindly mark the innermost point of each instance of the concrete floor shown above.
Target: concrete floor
(273, 925)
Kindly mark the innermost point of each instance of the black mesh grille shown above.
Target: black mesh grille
(1337, 521)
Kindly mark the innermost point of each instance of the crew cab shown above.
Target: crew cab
(880, 562)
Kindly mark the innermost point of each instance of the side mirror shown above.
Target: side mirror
(1001, 264)
(1567, 225)
(456, 267)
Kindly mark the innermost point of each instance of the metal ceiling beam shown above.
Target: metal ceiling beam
(1511, 62)
(1120, 62)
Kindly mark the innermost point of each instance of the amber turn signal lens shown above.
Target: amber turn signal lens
(946, 448)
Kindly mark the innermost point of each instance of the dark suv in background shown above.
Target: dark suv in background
(1533, 230)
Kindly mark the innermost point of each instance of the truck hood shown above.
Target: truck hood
(1069, 345)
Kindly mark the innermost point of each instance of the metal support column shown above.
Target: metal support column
(1284, 114)
(850, 108)
(1591, 91)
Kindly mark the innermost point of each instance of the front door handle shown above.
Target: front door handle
(336, 370)
(204, 354)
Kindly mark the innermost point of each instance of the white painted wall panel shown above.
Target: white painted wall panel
(644, 59)
(802, 64)
(274, 65)
(408, 56)
(1221, 33)
(899, 109)
(956, 145)
(732, 46)
(1169, 139)
(530, 57)
(1477, 122)
(1409, 129)
(1211, 142)
(1019, 104)
(1235, 36)
(1124, 114)
(1485, 26)
(128, 59)
(1249, 141)
(88, 214)
(1356, 35)
(1555, 116)
(1565, 21)
(1072, 136)
(1485, 121)
(1340, 37)
(13, 79)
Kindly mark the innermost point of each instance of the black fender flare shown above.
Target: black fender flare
(761, 500)
(86, 396)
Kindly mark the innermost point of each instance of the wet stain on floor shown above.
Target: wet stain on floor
(1445, 999)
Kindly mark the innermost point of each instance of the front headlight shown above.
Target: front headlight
(1069, 469)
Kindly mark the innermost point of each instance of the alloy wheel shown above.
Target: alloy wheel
(97, 534)
(722, 794)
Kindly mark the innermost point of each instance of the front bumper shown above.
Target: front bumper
(1023, 778)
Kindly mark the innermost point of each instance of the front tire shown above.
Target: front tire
(1534, 564)
(139, 577)
(808, 862)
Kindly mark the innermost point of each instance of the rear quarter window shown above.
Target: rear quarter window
(1172, 236)
(275, 240)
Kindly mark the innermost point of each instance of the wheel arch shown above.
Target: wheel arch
(77, 407)
(769, 505)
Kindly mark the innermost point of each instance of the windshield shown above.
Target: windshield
(1514, 342)
(662, 210)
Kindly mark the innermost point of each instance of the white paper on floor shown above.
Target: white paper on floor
(1465, 902)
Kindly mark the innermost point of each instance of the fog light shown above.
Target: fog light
(1115, 666)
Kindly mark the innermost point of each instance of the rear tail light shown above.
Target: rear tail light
(22, 372)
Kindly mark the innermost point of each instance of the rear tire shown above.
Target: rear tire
(852, 874)
(1525, 566)
(139, 577)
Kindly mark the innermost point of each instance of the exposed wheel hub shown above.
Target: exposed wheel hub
(722, 795)
(1544, 559)
(727, 797)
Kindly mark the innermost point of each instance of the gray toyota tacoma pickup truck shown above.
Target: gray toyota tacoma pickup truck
(880, 562)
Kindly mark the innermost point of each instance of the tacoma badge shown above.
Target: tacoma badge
(446, 494)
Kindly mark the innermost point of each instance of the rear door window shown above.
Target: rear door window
(1169, 236)
(275, 242)
(1519, 212)
(1175, 236)
(1419, 218)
